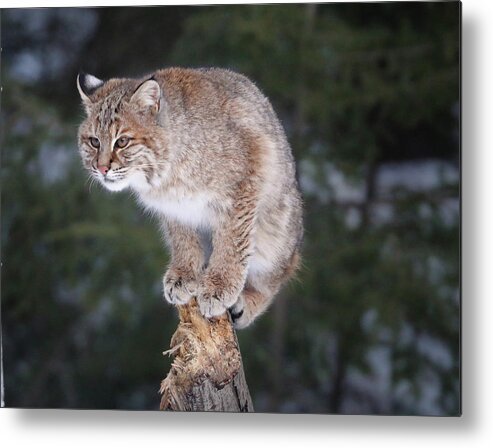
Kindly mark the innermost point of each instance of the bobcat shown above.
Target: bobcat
(204, 150)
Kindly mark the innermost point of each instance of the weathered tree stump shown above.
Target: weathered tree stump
(207, 371)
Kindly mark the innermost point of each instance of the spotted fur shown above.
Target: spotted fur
(207, 154)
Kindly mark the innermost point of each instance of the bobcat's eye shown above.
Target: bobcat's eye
(94, 142)
(122, 142)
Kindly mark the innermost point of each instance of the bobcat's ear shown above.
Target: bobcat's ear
(87, 85)
(147, 97)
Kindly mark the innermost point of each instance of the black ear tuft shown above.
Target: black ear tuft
(88, 84)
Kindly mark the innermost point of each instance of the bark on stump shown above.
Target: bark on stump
(207, 371)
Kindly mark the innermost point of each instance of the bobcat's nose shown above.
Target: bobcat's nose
(103, 169)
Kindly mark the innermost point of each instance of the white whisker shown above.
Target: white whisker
(92, 181)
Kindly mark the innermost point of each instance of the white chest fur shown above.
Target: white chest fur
(192, 211)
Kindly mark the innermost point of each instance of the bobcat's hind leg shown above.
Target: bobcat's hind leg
(251, 303)
(259, 292)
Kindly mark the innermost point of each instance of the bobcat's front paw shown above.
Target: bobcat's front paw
(215, 296)
(180, 286)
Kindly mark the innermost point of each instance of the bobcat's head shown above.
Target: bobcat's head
(120, 141)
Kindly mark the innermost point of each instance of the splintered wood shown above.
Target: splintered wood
(207, 372)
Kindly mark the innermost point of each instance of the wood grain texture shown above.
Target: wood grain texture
(207, 372)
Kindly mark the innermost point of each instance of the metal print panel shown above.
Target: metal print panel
(268, 194)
